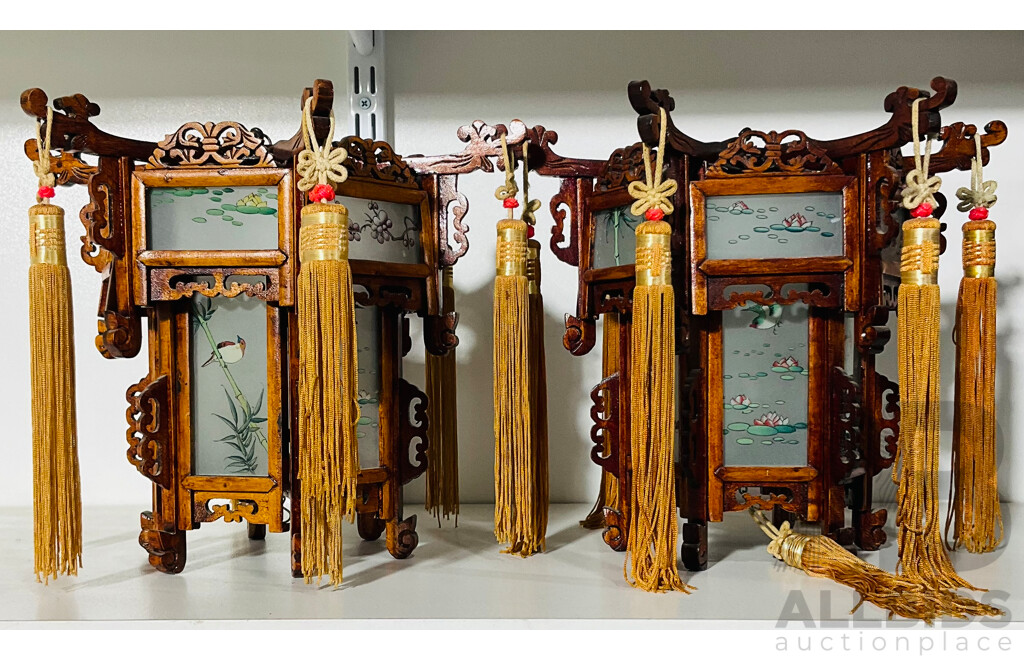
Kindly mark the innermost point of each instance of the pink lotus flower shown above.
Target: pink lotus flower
(797, 220)
(739, 400)
(772, 419)
(786, 362)
(739, 206)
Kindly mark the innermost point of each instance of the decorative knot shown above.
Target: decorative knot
(316, 164)
(984, 197)
(652, 196)
(920, 190)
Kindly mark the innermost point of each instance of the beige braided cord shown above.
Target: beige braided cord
(920, 188)
(652, 192)
(318, 164)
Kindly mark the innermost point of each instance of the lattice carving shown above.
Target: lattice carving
(370, 159)
(821, 291)
(790, 497)
(624, 166)
(604, 433)
(887, 420)
(149, 433)
(759, 152)
(413, 424)
(230, 507)
(170, 283)
(224, 144)
(567, 197)
(847, 415)
(483, 142)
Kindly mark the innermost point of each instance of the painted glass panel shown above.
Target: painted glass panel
(765, 372)
(383, 231)
(368, 357)
(615, 237)
(775, 226)
(229, 386)
(213, 218)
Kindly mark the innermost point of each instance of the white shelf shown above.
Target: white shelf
(455, 573)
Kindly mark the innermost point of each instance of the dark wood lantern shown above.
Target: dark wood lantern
(785, 267)
(198, 234)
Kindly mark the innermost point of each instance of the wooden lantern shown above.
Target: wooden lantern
(198, 234)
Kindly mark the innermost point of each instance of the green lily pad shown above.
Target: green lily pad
(199, 219)
(744, 441)
(738, 426)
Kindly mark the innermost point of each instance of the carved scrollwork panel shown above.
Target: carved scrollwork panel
(209, 144)
(604, 433)
(66, 168)
(232, 507)
(380, 292)
(413, 424)
(177, 283)
(567, 197)
(614, 296)
(847, 419)
(483, 142)
(624, 166)
(887, 421)
(790, 497)
(817, 290)
(452, 208)
(759, 152)
(149, 433)
(372, 159)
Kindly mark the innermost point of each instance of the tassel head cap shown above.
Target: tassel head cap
(920, 260)
(323, 233)
(510, 251)
(46, 235)
(533, 266)
(653, 253)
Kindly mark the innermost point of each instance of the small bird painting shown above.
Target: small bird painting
(768, 316)
(230, 351)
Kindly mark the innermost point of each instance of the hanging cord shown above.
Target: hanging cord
(507, 192)
(530, 206)
(41, 166)
(653, 194)
(981, 194)
(920, 189)
(319, 165)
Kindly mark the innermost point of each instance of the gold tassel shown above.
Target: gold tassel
(820, 556)
(513, 424)
(653, 530)
(538, 394)
(328, 409)
(442, 487)
(974, 495)
(608, 494)
(56, 482)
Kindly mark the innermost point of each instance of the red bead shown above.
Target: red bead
(321, 192)
(510, 203)
(46, 192)
(978, 213)
(654, 214)
(923, 210)
(530, 231)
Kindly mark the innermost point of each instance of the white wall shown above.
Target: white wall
(574, 83)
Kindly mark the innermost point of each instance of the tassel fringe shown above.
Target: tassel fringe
(538, 418)
(442, 483)
(328, 411)
(57, 501)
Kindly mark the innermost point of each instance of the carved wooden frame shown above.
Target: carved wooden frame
(282, 260)
(196, 491)
(702, 268)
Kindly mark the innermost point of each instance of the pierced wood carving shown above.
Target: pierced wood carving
(846, 415)
(887, 420)
(370, 291)
(176, 283)
(224, 144)
(616, 528)
(370, 159)
(958, 146)
(624, 166)
(772, 152)
(66, 167)
(821, 291)
(616, 296)
(483, 142)
(604, 433)
(567, 197)
(149, 434)
(228, 507)
(412, 431)
(452, 207)
(790, 497)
